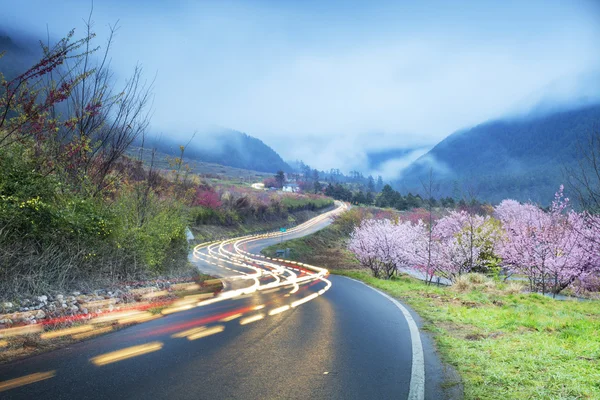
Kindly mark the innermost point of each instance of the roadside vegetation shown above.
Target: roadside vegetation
(505, 340)
(226, 210)
(553, 250)
(72, 209)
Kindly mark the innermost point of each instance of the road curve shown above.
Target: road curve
(281, 330)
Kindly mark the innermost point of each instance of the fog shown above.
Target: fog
(327, 83)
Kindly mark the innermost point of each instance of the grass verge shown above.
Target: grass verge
(326, 248)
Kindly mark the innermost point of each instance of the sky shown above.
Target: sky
(329, 81)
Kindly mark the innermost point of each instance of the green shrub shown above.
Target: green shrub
(52, 236)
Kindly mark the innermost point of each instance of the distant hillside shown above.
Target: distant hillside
(521, 158)
(18, 57)
(226, 147)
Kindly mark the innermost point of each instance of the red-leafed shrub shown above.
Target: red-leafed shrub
(207, 197)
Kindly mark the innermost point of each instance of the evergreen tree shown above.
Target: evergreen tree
(379, 186)
(371, 184)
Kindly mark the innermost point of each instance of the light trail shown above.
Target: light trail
(261, 266)
(26, 380)
(126, 353)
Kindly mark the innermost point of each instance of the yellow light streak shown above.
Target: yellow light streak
(231, 317)
(188, 332)
(20, 330)
(65, 332)
(207, 332)
(143, 317)
(114, 316)
(95, 332)
(251, 319)
(172, 310)
(152, 295)
(126, 353)
(279, 310)
(26, 380)
(304, 300)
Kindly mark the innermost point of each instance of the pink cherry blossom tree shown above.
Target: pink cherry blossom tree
(385, 245)
(374, 244)
(552, 249)
(465, 240)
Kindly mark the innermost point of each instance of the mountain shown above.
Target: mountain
(225, 147)
(19, 55)
(521, 158)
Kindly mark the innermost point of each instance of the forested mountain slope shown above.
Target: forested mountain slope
(225, 147)
(523, 158)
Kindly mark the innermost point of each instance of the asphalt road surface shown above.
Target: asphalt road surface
(279, 331)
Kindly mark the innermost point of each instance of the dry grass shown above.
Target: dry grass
(479, 282)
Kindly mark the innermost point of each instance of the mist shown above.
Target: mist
(329, 83)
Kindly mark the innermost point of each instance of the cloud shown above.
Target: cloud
(392, 169)
(327, 82)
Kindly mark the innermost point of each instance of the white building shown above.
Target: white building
(291, 188)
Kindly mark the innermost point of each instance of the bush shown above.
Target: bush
(52, 237)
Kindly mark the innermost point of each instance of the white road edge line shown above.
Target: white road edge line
(417, 375)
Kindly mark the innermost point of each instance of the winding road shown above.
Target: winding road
(279, 330)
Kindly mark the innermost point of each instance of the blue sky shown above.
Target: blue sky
(326, 81)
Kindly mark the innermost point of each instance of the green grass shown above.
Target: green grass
(325, 248)
(508, 345)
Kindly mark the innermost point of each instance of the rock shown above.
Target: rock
(40, 314)
(59, 297)
(24, 309)
(76, 293)
(5, 321)
(43, 299)
(31, 321)
(8, 305)
(84, 311)
(25, 302)
(74, 308)
(64, 305)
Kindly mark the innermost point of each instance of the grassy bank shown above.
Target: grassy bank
(326, 248)
(504, 343)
